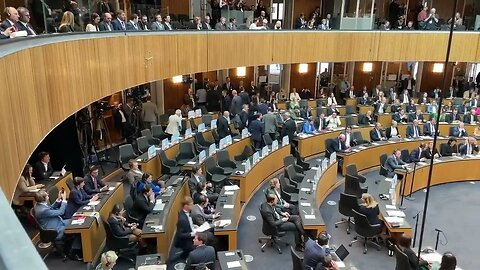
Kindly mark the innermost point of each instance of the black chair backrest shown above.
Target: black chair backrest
(349, 120)
(192, 123)
(383, 159)
(210, 163)
(223, 159)
(352, 186)
(289, 160)
(157, 132)
(215, 135)
(70, 184)
(327, 143)
(267, 139)
(267, 229)
(357, 135)
(346, 204)
(46, 235)
(402, 262)
(450, 131)
(297, 259)
(352, 169)
(142, 144)
(53, 194)
(128, 203)
(349, 109)
(125, 153)
(405, 156)
(247, 152)
(207, 119)
(112, 241)
(363, 226)
(185, 149)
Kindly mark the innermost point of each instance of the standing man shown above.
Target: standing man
(236, 106)
(394, 162)
(270, 124)
(174, 123)
(43, 169)
(185, 228)
(149, 113)
(202, 99)
(223, 125)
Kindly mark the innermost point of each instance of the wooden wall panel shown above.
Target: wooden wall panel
(249, 76)
(432, 80)
(305, 6)
(301, 81)
(44, 83)
(361, 78)
(177, 6)
(173, 93)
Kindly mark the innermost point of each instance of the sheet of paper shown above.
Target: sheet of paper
(305, 204)
(54, 177)
(304, 189)
(231, 188)
(111, 188)
(309, 216)
(228, 206)
(314, 168)
(394, 219)
(227, 254)
(229, 193)
(94, 203)
(153, 267)
(234, 264)
(78, 221)
(392, 207)
(432, 257)
(205, 227)
(396, 213)
(159, 207)
(340, 264)
(192, 162)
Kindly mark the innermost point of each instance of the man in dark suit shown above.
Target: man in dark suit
(454, 116)
(300, 22)
(256, 130)
(469, 147)
(376, 133)
(94, 183)
(320, 122)
(143, 23)
(332, 109)
(470, 117)
(460, 131)
(43, 169)
(119, 22)
(429, 151)
(405, 98)
(198, 179)
(132, 25)
(185, 230)
(450, 148)
(367, 119)
(394, 162)
(11, 20)
(167, 23)
(336, 146)
(429, 128)
(78, 197)
(24, 22)
(228, 85)
(416, 154)
(411, 107)
(106, 23)
(408, 84)
(50, 216)
(236, 106)
(244, 96)
(282, 221)
(413, 131)
(202, 254)
(289, 127)
(415, 116)
(143, 204)
(223, 126)
(244, 117)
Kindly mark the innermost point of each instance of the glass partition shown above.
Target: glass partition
(357, 15)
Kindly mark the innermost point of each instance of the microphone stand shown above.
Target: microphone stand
(409, 197)
(416, 217)
(438, 237)
(402, 188)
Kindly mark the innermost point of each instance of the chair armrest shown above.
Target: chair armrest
(217, 170)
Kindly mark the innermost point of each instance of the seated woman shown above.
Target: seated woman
(158, 188)
(370, 209)
(78, 197)
(404, 244)
(143, 204)
(449, 262)
(107, 261)
(308, 126)
(281, 205)
(392, 131)
(120, 227)
(197, 194)
(26, 183)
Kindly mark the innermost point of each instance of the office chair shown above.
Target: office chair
(128, 205)
(349, 120)
(291, 160)
(53, 194)
(185, 153)
(349, 109)
(70, 184)
(142, 144)
(193, 126)
(216, 138)
(352, 170)
(224, 161)
(401, 260)
(300, 161)
(360, 118)
(383, 171)
(293, 175)
(272, 237)
(346, 205)
(125, 153)
(151, 140)
(287, 185)
(450, 132)
(157, 132)
(47, 238)
(246, 153)
(201, 141)
(169, 166)
(289, 197)
(358, 138)
(405, 156)
(319, 102)
(124, 248)
(207, 119)
(267, 139)
(215, 174)
(352, 186)
(303, 103)
(365, 231)
(297, 259)
(327, 143)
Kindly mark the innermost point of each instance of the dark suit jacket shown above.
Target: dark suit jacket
(334, 146)
(366, 121)
(102, 26)
(288, 129)
(192, 183)
(410, 108)
(330, 111)
(467, 118)
(245, 97)
(22, 27)
(447, 150)
(236, 105)
(427, 154)
(413, 116)
(201, 255)
(450, 118)
(462, 149)
(117, 228)
(427, 129)
(256, 129)
(392, 163)
(243, 119)
(416, 154)
(141, 208)
(5, 24)
(374, 135)
(395, 108)
(117, 26)
(268, 215)
(223, 129)
(423, 100)
(90, 186)
(388, 132)
(76, 199)
(458, 133)
(405, 83)
(183, 236)
(40, 172)
(317, 123)
(410, 131)
(131, 26)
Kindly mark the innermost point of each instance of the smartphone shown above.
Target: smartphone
(63, 190)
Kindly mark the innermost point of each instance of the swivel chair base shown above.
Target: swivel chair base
(346, 220)
(273, 241)
(365, 241)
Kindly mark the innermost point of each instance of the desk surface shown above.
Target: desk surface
(231, 257)
(228, 204)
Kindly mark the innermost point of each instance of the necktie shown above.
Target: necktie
(95, 185)
(123, 25)
(432, 128)
(277, 216)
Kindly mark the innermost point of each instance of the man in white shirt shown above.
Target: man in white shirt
(24, 23)
(174, 123)
(333, 121)
(348, 137)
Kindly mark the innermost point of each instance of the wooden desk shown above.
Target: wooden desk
(224, 257)
(351, 102)
(445, 170)
(92, 231)
(167, 218)
(60, 183)
(198, 120)
(233, 214)
(263, 169)
(363, 109)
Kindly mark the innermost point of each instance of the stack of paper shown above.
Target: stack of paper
(305, 204)
(153, 267)
(231, 188)
(229, 193)
(234, 264)
(396, 213)
(94, 203)
(79, 221)
(159, 207)
(204, 227)
(223, 222)
(394, 220)
(309, 216)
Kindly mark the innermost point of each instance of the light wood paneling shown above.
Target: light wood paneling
(301, 81)
(44, 84)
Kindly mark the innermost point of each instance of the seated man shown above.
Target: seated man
(315, 251)
(450, 148)
(469, 147)
(119, 226)
(202, 254)
(460, 131)
(197, 178)
(376, 133)
(281, 205)
(454, 116)
(50, 216)
(93, 183)
(282, 220)
(134, 174)
(415, 116)
(413, 131)
(198, 214)
(393, 163)
(336, 145)
(470, 117)
(416, 154)
(78, 197)
(429, 151)
(367, 119)
(429, 128)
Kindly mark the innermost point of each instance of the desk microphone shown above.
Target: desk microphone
(438, 230)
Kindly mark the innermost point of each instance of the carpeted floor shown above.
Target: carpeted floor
(452, 209)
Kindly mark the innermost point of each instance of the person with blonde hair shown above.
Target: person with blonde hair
(370, 209)
(107, 261)
(66, 25)
(281, 205)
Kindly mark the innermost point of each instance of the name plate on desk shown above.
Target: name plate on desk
(191, 114)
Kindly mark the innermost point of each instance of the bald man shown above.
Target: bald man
(11, 20)
(24, 22)
(174, 123)
(336, 145)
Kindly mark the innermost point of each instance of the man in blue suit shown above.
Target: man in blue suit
(413, 131)
(78, 197)
(256, 131)
(119, 23)
(50, 216)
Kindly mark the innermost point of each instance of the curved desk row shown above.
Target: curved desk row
(60, 182)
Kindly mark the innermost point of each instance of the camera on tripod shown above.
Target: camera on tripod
(102, 106)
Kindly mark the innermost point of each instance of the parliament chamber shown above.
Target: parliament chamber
(244, 135)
